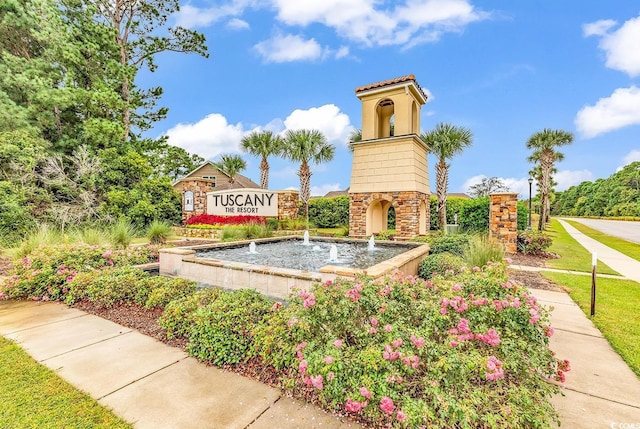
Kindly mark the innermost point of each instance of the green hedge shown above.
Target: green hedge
(329, 212)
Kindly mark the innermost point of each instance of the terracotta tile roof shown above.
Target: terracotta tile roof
(407, 78)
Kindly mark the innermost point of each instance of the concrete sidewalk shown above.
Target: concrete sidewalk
(146, 382)
(600, 391)
(628, 267)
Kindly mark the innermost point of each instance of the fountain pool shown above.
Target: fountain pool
(281, 264)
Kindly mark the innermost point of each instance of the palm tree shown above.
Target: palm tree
(262, 144)
(445, 141)
(231, 165)
(544, 144)
(354, 136)
(306, 146)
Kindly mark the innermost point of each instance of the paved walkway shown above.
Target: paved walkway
(600, 391)
(628, 267)
(146, 382)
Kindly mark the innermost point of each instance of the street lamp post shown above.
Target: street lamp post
(530, 182)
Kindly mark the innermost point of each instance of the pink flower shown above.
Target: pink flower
(494, 369)
(498, 304)
(397, 343)
(374, 321)
(491, 337)
(463, 326)
(292, 322)
(328, 283)
(386, 405)
(316, 381)
(353, 295)
(417, 341)
(328, 360)
(276, 306)
(309, 301)
(337, 343)
(301, 346)
(354, 406)
(453, 343)
(365, 392)
(331, 376)
(388, 328)
(302, 367)
(534, 315)
(372, 330)
(456, 287)
(400, 415)
(389, 354)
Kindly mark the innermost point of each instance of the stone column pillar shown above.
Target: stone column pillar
(503, 219)
(288, 204)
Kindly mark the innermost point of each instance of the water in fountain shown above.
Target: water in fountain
(292, 254)
(305, 238)
(252, 248)
(372, 244)
(333, 253)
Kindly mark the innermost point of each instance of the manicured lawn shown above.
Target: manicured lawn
(617, 303)
(623, 246)
(573, 255)
(33, 396)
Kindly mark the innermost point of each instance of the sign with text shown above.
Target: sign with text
(250, 202)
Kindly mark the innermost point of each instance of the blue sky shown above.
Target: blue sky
(504, 69)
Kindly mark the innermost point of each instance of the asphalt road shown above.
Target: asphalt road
(629, 231)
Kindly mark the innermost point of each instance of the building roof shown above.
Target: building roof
(240, 180)
(332, 194)
(459, 195)
(402, 79)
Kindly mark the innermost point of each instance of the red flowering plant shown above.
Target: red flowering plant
(469, 351)
(216, 220)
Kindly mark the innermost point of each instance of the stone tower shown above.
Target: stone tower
(390, 162)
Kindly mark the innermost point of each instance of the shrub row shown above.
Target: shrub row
(46, 272)
(402, 352)
(533, 242)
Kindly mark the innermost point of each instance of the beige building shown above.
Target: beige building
(390, 162)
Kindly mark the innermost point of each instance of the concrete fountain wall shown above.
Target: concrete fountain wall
(273, 281)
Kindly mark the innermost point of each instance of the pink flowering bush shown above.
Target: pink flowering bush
(409, 353)
(45, 274)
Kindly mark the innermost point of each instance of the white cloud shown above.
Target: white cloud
(598, 28)
(619, 110)
(568, 178)
(213, 135)
(208, 137)
(621, 47)
(632, 156)
(342, 52)
(321, 190)
(368, 21)
(334, 124)
(288, 48)
(237, 24)
(191, 16)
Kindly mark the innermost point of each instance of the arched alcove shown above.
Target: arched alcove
(377, 216)
(384, 114)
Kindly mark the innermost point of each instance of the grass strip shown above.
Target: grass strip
(572, 255)
(630, 249)
(617, 302)
(33, 396)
